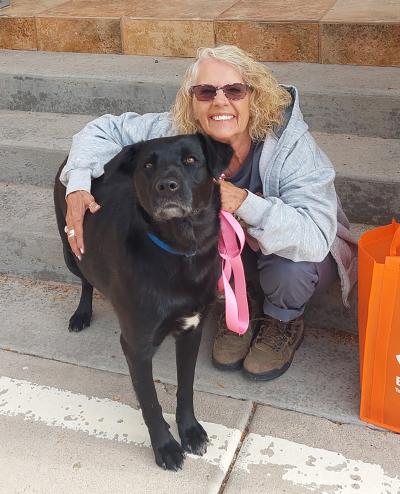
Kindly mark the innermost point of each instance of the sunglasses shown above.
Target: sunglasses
(207, 92)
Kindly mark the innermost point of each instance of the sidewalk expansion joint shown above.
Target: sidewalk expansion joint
(67, 362)
(372, 427)
(169, 389)
(245, 433)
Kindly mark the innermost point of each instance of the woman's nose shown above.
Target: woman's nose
(220, 97)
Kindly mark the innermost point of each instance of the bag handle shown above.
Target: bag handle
(394, 246)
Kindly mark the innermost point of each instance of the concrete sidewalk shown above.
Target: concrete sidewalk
(322, 381)
(71, 429)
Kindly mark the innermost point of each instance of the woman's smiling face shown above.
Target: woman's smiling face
(222, 119)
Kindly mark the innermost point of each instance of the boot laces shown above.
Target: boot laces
(276, 334)
(222, 329)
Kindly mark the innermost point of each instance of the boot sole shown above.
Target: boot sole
(228, 367)
(273, 374)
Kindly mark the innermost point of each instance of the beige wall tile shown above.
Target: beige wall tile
(366, 44)
(169, 38)
(28, 8)
(17, 33)
(278, 10)
(364, 11)
(96, 35)
(160, 9)
(92, 8)
(272, 41)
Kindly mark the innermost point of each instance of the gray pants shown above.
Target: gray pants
(287, 286)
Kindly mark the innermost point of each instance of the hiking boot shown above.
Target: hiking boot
(230, 349)
(273, 348)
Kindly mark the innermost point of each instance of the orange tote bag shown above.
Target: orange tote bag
(379, 325)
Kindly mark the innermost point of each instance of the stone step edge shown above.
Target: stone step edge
(338, 79)
(333, 101)
(68, 286)
(69, 124)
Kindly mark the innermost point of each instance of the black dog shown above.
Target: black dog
(152, 251)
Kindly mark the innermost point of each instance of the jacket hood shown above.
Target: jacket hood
(293, 126)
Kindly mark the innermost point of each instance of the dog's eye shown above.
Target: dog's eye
(147, 165)
(189, 161)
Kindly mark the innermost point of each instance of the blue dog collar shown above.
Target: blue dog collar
(167, 247)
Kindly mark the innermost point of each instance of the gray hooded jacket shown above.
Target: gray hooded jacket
(299, 217)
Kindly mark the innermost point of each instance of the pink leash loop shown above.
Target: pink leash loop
(230, 246)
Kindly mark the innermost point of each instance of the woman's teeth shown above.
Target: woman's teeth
(222, 117)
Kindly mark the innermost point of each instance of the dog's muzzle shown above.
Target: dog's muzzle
(171, 200)
(169, 210)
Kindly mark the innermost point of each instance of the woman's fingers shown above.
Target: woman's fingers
(93, 206)
(74, 219)
(77, 204)
(231, 196)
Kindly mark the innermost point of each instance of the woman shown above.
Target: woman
(279, 184)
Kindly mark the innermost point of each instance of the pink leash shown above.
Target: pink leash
(230, 246)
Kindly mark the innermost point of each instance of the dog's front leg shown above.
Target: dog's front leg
(194, 438)
(167, 451)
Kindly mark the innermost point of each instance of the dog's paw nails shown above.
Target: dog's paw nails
(79, 322)
(170, 456)
(194, 440)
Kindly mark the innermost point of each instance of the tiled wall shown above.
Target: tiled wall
(365, 32)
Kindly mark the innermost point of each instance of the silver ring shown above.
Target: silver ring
(69, 231)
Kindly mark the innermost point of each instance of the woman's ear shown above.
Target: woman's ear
(123, 163)
(218, 154)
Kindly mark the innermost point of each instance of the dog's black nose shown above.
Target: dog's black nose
(167, 185)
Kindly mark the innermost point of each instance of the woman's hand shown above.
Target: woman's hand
(231, 196)
(77, 204)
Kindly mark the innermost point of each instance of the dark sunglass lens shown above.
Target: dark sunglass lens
(204, 93)
(235, 91)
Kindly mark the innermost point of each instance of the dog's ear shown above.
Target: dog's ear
(218, 154)
(124, 162)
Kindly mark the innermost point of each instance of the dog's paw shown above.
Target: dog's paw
(79, 321)
(194, 439)
(170, 455)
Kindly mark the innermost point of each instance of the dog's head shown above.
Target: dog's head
(173, 176)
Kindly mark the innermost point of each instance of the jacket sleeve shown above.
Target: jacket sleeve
(100, 140)
(301, 223)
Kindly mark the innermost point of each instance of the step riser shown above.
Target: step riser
(41, 258)
(33, 255)
(30, 166)
(326, 311)
(369, 116)
(61, 95)
(365, 201)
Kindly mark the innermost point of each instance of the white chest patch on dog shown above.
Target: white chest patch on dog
(190, 322)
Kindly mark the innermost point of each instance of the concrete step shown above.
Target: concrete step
(33, 144)
(343, 99)
(30, 246)
(367, 175)
(322, 381)
(325, 32)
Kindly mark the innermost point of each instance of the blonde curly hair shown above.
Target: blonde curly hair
(267, 98)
